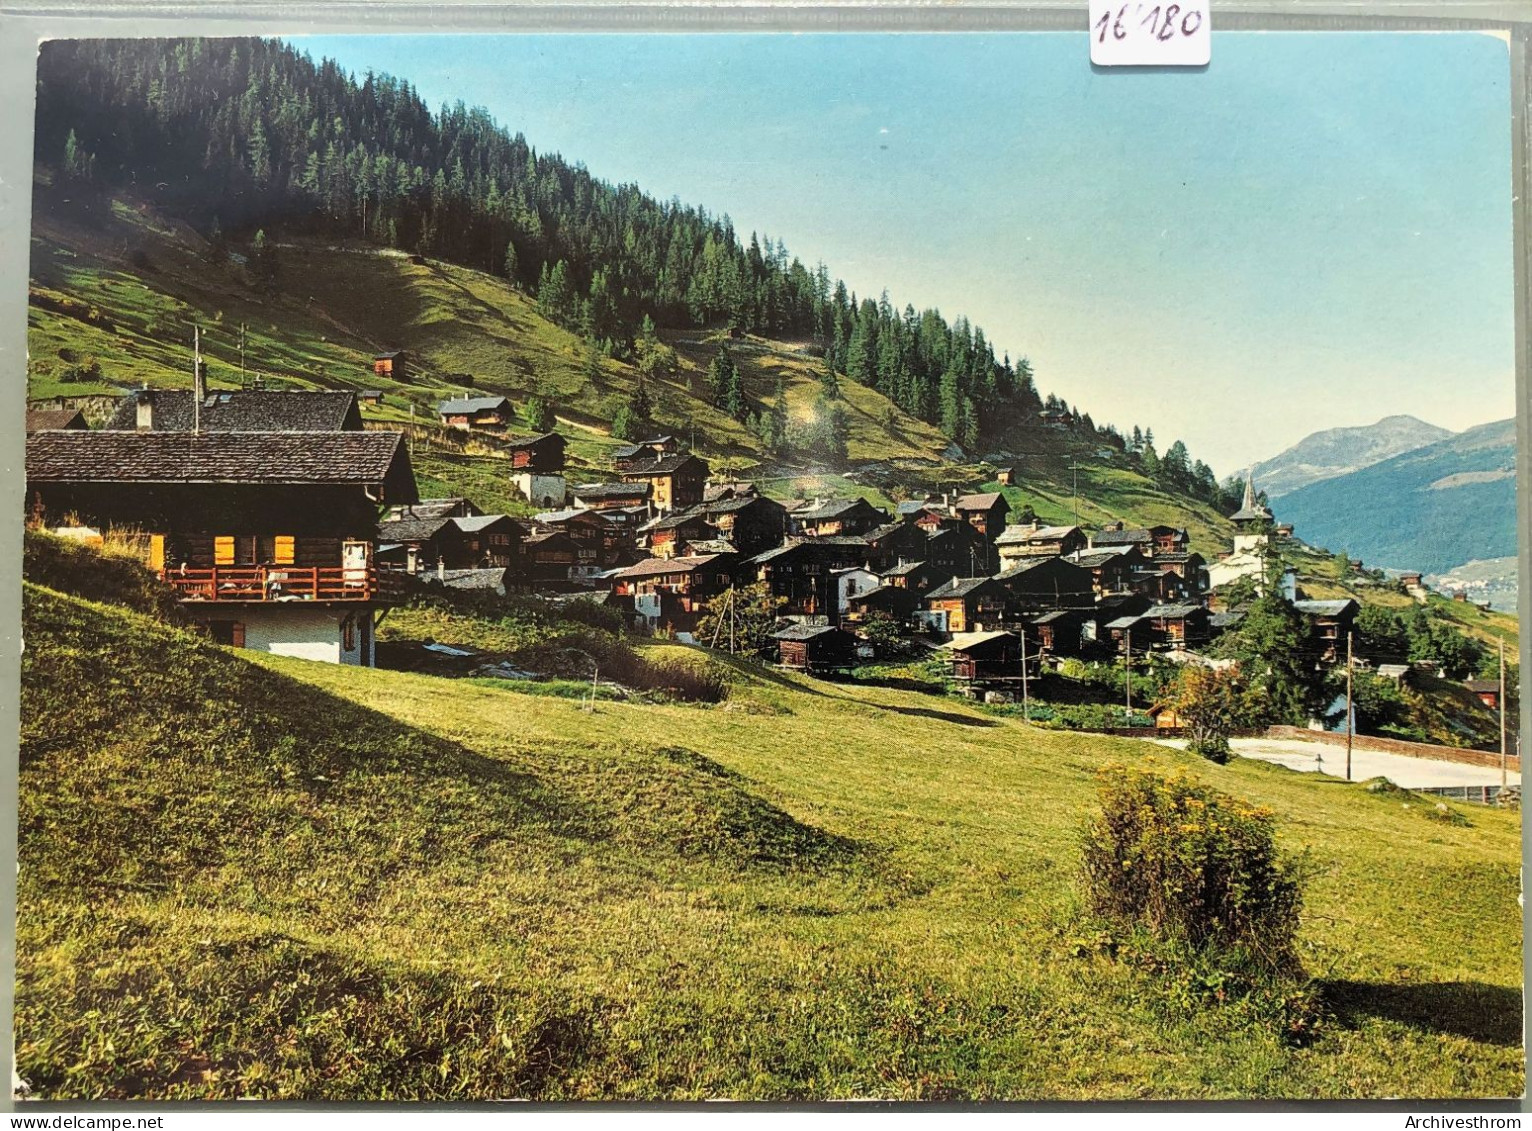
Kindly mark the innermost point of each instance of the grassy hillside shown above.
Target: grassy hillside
(1321, 578)
(246, 875)
(125, 287)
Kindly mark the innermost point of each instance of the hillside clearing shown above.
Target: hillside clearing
(374, 884)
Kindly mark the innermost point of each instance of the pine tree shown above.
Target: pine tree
(829, 383)
(538, 414)
(263, 260)
(734, 402)
(720, 376)
(77, 163)
(640, 404)
(217, 245)
(509, 263)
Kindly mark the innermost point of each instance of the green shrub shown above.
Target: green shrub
(1214, 747)
(1192, 866)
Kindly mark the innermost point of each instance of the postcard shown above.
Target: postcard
(767, 567)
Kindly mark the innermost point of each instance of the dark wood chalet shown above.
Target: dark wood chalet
(1061, 632)
(1112, 571)
(962, 551)
(1329, 624)
(490, 540)
(1486, 691)
(918, 577)
(753, 523)
(601, 541)
(611, 496)
(893, 543)
(1048, 583)
(815, 648)
(543, 454)
(417, 544)
(390, 365)
(268, 538)
(800, 574)
(986, 659)
(644, 452)
(452, 543)
(673, 592)
(838, 516)
(1035, 540)
(1173, 626)
(548, 555)
(984, 512)
(1191, 566)
(932, 519)
(677, 480)
(1162, 585)
(895, 602)
(1116, 537)
(968, 604)
(486, 414)
(665, 537)
(1169, 540)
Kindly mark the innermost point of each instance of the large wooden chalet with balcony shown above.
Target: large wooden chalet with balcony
(267, 538)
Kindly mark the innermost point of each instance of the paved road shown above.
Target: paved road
(1411, 773)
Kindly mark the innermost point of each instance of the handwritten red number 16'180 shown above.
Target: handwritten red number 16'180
(1162, 24)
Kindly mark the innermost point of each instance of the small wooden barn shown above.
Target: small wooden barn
(815, 648)
(986, 658)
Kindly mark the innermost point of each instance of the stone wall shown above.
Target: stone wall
(1489, 758)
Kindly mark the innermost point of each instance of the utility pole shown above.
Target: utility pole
(1502, 714)
(1350, 718)
(1026, 709)
(241, 355)
(197, 390)
(1074, 466)
(1127, 670)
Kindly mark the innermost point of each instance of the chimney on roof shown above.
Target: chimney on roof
(145, 406)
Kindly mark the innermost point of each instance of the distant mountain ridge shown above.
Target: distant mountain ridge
(1340, 451)
(1431, 509)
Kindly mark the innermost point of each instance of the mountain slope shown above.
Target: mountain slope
(126, 288)
(1430, 509)
(1338, 451)
(266, 878)
(122, 289)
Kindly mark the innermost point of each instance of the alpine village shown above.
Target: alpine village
(459, 588)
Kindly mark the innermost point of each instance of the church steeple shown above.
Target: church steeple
(1250, 510)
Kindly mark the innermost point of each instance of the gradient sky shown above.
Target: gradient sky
(1314, 232)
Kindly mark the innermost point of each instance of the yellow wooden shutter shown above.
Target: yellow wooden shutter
(223, 549)
(282, 553)
(156, 552)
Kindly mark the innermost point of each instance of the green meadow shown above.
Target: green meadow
(246, 875)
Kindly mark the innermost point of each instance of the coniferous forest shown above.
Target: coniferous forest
(247, 136)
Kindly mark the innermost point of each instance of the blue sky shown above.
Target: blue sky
(1313, 232)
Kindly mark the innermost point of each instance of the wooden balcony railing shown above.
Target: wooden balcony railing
(284, 583)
